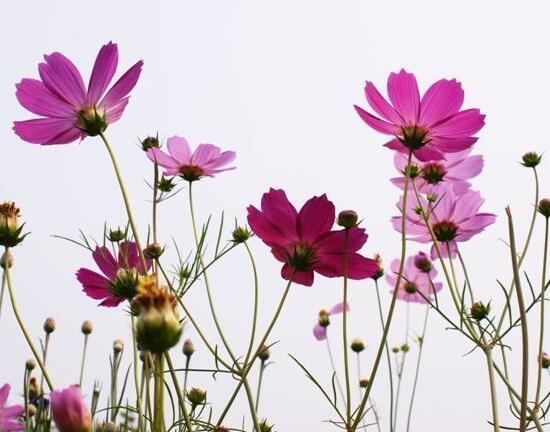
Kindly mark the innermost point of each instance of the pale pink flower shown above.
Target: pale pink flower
(320, 329)
(69, 411)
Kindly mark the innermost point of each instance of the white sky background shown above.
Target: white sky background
(276, 82)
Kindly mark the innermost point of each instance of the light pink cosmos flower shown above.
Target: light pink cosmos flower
(69, 411)
(119, 279)
(9, 414)
(320, 329)
(206, 160)
(304, 241)
(414, 281)
(429, 127)
(436, 176)
(69, 111)
(453, 217)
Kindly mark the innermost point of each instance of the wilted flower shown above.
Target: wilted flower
(320, 329)
(119, 282)
(9, 414)
(68, 110)
(429, 127)
(69, 411)
(206, 160)
(304, 241)
(414, 281)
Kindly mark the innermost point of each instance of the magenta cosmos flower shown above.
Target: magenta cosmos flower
(304, 241)
(417, 280)
(436, 176)
(206, 160)
(119, 279)
(69, 411)
(320, 329)
(453, 217)
(9, 415)
(69, 111)
(429, 127)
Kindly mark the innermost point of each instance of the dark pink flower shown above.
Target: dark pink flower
(320, 329)
(206, 160)
(453, 217)
(429, 127)
(436, 176)
(414, 281)
(305, 242)
(69, 411)
(119, 279)
(68, 110)
(9, 415)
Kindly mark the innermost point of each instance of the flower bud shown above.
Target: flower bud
(264, 427)
(395, 350)
(221, 429)
(86, 327)
(324, 319)
(34, 388)
(544, 207)
(357, 345)
(92, 121)
(31, 409)
(184, 272)
(380, 272)
(153, 251)
(264, 354)
(69, 412)
(241, 234)
(158, 327)
(544, 360)
(405, 348)
(125, 283)
(10, 231)
(30, 364)
(7, 260)
(432, 197)
(347, 219)
(188, 348)
(196, 396)
(412, 171)
(479, 311)
(531, 159)
(49, 325)
(166, 184)
(423, 262)
(150, 142)
(118, 346)
(117, 235)
(363, 383)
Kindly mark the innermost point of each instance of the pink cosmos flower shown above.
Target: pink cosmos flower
(68, 111)
(320, 329)
(119, 279)
(414, 280)
(453, 217)
(429, 127)
(436, 176)
(206, 160)
(69, 411)
(9, 414)
(304, 241)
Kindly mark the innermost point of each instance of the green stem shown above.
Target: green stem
(83, 359)
(255, 313)
(2, 294)
(492, 384)
(417, 371)
(542, 301)
(345, 330)
(126, 200)
(181, 397)
(26, 383)
(363, 404)
(332, 364)
(136, 376)
(24, 328)
(400, 368)
(158, 403)
(253, 409)
(44, 357)
(261, 374)
(524, 331)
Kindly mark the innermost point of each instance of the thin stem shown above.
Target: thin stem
(26, 383)
(494, 402)
(186, 374)
(158, 403)
(542, 301)
(24, 328)
(154, 216)
(85, 345)
(45, 355)
(360, 391)
(466, 275)
(181, 397)
(126, 200)
(388, 357)
(260, 376)
(136, 375)
(2, 294)
(418, 361)
(253, 409)
(332, 364)
(524, 331)
(363, 404)
(400, 369)
(255, 313)
(345, 330)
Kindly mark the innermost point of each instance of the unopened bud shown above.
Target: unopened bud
(87, 327)
(149, 143)
(423, 262)
(395, 350)
(153, 251)
(531, 159)
(241, 234)
(116, 235)
(118, 346)
(221, 429)
(357, 345)
(412, 171)
(265, 427)
(31, 409)
(34, 388)
(544, 360)
(324, 319)
(347, 218)
(196, 396)
(363, 383)
(405, 348)
(7, 260)
(49, 325)
(544, 207)
(10, 230)
(479, 311)
(30, 364)
(264, 353)
(166, 184)
(188, 348)
(380, 272)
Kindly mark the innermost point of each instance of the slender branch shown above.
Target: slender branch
(181, 397)
(542, 302)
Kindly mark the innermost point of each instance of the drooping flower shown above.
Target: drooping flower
(69, 411)
(206, 160)
(304, 241)
(429, 127)
(435, 176)
(416, 285)
(68, 110)
(320, 329)
(453, 218)
(119, 279)
(9, 415)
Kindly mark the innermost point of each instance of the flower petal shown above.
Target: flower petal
(103, 72)
(463, 124)
(442, 99)
(301, 278)
(404, 95)
(114, 112)
(376, 123)
(35, 97)
(105, 261)
(123, 86)
(179, 149)
(94, 285)
(280, 212)
(319, 332)
(157, 156)
(381, 106)
(47, 131)
(63, 79)
(315, 218)
(338, 308)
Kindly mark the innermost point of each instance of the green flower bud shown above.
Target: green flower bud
(544, 207)
(405, 348)
(153, 251)
(357, 345)
(196, 397)
(531, 159)
(10, 230)
(166, 185)
(264, 353)
(265, 427)
(117, 235)
(188, 348)
(347, 219)
(86, 327)
(241, 234)
(479, 311)
(150, 142)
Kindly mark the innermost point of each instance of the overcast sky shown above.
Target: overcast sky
(276, 82)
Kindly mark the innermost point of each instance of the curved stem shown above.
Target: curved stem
(542, 301)
(181, 397)
(24, 328)
(125, 198)
(255, 313)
